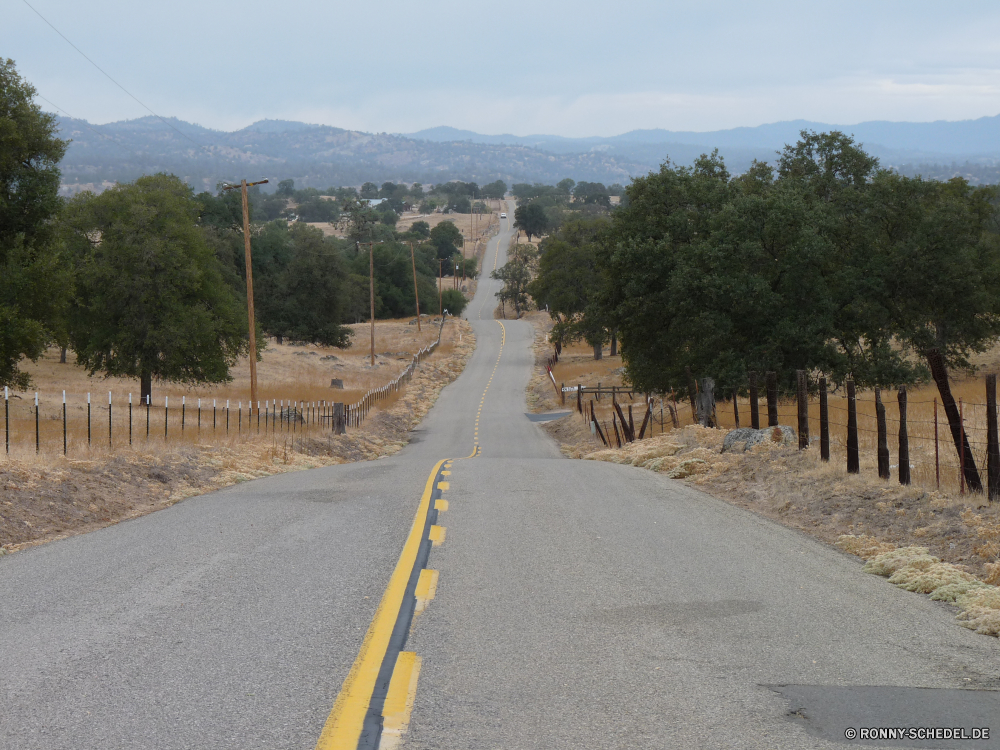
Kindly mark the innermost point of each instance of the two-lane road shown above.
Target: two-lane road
(578, 605)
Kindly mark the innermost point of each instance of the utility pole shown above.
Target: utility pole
(250, 314)
(440, 279)
(416, 292)
(371, 291)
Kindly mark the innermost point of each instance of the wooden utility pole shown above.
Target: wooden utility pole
(371, 291)
(416, 292)
(440, 281)
(250, 314)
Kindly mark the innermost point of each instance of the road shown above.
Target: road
(578, 604)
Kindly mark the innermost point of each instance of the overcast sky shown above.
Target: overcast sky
(573, 68)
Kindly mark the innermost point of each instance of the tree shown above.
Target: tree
(150, 297)
(369, 190)
(591, 193)
(34, 282)
(531, 219)
(566, 186)
(938, 255)
(421, 229)
(516, 275)
(454, 302)
(416, 192)
(494, 190)
(312, 299)
(446, 239)
(286, 188)
(358, 219)
(460, 204)
(568, 283)
(316, 209)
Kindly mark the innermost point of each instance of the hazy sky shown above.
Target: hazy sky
(574, 68)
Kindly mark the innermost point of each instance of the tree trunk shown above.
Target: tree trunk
(598, 351)
(277, 339)
(145, 387)
(940, 374)
(706, 403)
(614, 344)
(62, 355)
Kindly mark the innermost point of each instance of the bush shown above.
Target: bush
(454, 301)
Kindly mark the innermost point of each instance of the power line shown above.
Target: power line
(88, 126)
(163, 120)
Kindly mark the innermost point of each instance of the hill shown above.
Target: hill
(312, 155)
(321, 156)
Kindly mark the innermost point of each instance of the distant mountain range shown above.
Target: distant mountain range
(321, 156)
(312, 155)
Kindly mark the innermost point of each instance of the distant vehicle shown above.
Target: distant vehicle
(503, 216)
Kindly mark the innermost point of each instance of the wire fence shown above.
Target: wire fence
(77, 423)
(934, 460)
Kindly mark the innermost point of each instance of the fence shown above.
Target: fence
(355, 413)
(896, 435)
(71, 423)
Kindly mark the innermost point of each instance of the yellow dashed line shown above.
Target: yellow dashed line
(399, 700)
(437, 535)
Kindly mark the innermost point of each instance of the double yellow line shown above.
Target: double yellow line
(346, 721)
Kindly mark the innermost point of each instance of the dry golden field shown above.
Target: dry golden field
(288, 374)
(47, 495)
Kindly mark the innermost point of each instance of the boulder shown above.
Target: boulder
(744, 438)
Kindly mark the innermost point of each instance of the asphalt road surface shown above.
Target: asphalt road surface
(574, 604)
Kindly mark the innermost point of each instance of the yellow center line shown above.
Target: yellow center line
(346, 720)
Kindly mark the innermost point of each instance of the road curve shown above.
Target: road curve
(577, 604)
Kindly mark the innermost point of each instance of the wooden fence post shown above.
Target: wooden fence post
(961, 426)
(904, 439)
(803, 404)
(772, 399)
(992, 443)
(339, 419)
(853, 457)
(736, 408)
(824, 421)
(579, 398)
(754, 398)
(883, 440)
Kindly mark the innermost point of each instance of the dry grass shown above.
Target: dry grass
(287, 374)
(49, 496)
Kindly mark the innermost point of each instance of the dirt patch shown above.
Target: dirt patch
(51, 497)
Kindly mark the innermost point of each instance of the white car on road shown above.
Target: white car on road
(503, 216)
